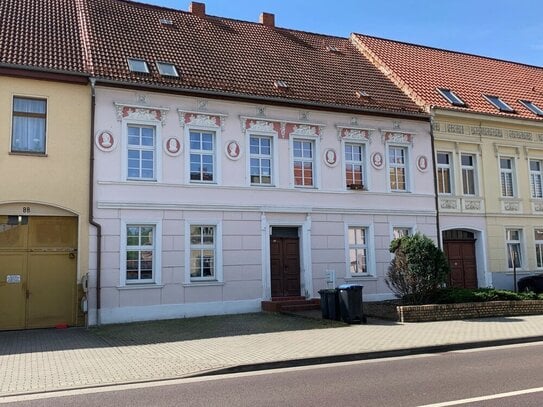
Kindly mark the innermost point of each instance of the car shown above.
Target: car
(531, 283)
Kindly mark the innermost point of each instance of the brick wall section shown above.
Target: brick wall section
(443, 312)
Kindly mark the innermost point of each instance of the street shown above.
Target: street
(499, 376)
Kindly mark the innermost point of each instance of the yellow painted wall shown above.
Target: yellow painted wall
(491, 138)
(61, 178)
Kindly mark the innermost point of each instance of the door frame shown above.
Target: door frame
(304, 235)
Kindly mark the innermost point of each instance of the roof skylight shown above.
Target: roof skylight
(500, 104)
(532, 107)
(332, 48)
(451, 97)
(281, 84)
(138, 65)
(362, 94)
(165, 21)
(167, 69)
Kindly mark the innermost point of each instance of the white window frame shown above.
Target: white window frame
(363, 163)
(217, 139)
(132, 67)
(157, 149)
(273, 152)
(536, 174)
(46, 118)
(473, 169)
(218, 278)
(406, 166)
(538, 246)
(394, 228)
(316, 169)
(370, 251)
(161, 69)
(442, 167)
(157, 255)
(509, 242)
(499, 104)
(503, 173)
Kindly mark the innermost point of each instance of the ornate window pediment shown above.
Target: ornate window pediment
(145, 113)
(202, 119)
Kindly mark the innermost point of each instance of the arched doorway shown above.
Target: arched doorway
(459, 247)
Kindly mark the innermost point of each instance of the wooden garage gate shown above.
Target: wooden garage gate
(38, 271)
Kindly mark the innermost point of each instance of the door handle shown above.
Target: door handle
(27, 294)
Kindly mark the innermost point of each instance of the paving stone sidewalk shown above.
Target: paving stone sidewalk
(49, 360)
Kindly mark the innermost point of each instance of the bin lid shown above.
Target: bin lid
(327, 291)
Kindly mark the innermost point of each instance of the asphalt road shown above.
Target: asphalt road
(501, 376)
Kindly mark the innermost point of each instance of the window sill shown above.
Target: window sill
(27, 154)
(140, 286)
(203, 283)
(353, 279)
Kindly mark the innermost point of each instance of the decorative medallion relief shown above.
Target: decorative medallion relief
(538, 207)
(173, 146)
(377, 161)
(141, 113)
(422, 163)
(232, 150)
(511, 206)
(472, 205)
(330, 157)
(448, 203)
(105, 141)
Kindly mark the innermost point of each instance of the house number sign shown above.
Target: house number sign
(13, 279)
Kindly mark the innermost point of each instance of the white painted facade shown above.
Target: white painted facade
(243, 215)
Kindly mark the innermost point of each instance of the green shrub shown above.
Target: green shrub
(418, 269)
(459, 295)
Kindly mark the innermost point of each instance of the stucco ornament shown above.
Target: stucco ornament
(377, 161)
(260, 125)
(105, 141)
(422, 163)
(173, 146)
(232, 150)
(330, 157)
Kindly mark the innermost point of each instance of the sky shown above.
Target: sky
(503, 29)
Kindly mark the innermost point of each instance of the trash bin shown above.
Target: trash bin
(329, 304)
(350, 303)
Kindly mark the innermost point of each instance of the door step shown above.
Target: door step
(290, 305)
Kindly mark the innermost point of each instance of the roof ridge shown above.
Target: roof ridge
(449, 50)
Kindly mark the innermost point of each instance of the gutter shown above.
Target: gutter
(265, 99)
(432, 140)
(91, 204)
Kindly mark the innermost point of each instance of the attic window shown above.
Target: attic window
(362, 94)
(332, 48)
(499, 104)
(167, 69)
(138, 65)
(281, 85)
(166, 21)
(451, 97)
(532, 107)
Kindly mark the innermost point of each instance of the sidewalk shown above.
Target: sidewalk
(49, 360)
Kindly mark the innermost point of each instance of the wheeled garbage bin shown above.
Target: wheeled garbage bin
(329, 304)
(350, 303)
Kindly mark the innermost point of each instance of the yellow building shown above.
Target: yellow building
(44, 171)
(488, 142)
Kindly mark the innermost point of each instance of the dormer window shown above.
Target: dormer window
(499, 104)
(451, 97)
(137, 65)
(532, 107)
(167, 69)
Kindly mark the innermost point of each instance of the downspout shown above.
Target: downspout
(91, 204)
(436, 197)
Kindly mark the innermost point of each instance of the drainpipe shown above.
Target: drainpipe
(436, 197)
(91, 204)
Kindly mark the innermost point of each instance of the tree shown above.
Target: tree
(418, 269)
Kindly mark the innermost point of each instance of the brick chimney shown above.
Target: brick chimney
(198, 9)
(267, 19)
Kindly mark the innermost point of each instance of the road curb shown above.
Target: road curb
(351, 357)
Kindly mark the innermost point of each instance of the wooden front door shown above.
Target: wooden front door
(38, 267)
(285, 266)
(461, 256)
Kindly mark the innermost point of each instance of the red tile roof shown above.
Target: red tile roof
(424, 69)
(41, 34)
(228, 56)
